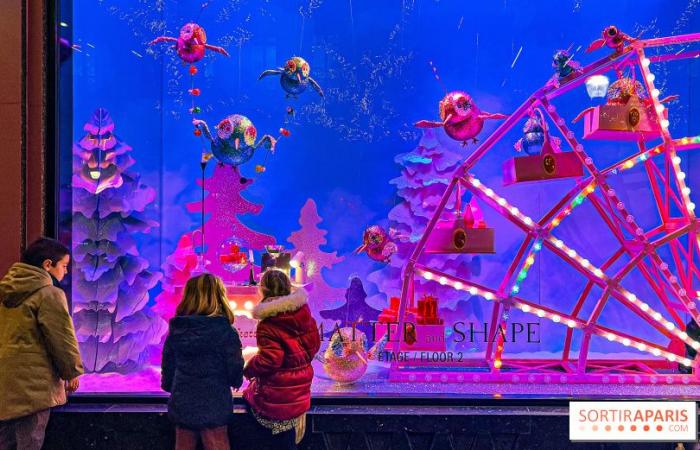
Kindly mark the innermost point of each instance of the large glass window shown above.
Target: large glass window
(232, 136)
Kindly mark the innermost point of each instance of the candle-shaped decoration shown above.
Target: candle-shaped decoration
(394, 303)
(251, 277)
(297, 263)
(422, 310)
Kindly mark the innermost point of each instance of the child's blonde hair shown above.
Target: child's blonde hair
(275, 283)
(205, 295)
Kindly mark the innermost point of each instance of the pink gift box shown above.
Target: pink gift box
(628, 122)
(545, 166)
(452, 236)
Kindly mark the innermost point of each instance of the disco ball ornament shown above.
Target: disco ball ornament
(345, 359)
(233, 254)
(623, 89)
(597, 86)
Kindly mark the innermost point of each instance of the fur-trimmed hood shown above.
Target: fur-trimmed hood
(277, 305)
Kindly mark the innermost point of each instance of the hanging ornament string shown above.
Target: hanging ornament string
(260, 168)
(437, 76)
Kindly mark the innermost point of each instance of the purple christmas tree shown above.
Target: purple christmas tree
(354, 311)
(115, 328)
(426, 172)
(309, 240)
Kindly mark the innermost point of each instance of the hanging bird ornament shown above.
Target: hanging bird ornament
(536, 138)
(235, 143)
(294, 77)
(378, 244)
(564, 64)
(613, 38)
(460, 117)
(191, 45)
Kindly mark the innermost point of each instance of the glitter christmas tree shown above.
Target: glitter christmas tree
(223, 205)
(309, 240)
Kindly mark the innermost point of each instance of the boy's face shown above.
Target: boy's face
(58, 270)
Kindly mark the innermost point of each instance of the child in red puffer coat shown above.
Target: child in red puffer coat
(288, 339)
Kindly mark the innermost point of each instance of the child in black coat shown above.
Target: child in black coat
(202, 360)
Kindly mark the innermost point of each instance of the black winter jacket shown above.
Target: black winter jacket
(201, 361)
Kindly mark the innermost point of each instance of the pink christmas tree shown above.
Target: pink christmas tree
(224, 204)
(426, 172)
(178, 268)
(309, 240)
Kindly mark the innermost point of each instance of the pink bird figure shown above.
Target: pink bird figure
(461, 118)
(378, 244)
(613, 38)
(191, 45)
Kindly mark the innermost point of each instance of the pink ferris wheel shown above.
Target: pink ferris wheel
(665, 256)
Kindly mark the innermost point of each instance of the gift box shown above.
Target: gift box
(465, 233)
(451, 236)
(545, 166)
(623, 122)
(424, 329)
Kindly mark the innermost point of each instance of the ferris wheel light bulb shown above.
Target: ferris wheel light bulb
(646, 62)
(655, 93)
(686, 190)
(458, 285)
(664, 123)
(681, 175)
(651, 77)
(660, 108)
(428, 275)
